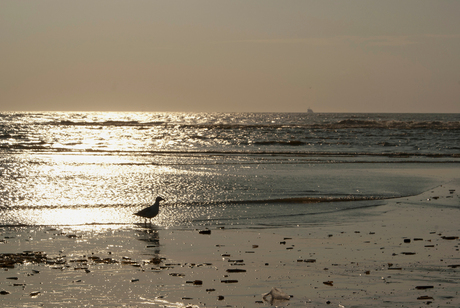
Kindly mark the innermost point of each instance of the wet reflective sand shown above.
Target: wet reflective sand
(404, 254)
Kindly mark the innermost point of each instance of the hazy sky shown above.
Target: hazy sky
(193, 55)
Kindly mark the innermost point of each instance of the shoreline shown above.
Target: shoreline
(404, 254)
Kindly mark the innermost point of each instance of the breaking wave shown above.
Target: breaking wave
(308, 123)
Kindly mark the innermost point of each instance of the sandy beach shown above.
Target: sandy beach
(405, 254)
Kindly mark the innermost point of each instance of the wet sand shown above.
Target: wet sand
(405, 254)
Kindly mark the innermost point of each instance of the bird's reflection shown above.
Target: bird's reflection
(151, 237)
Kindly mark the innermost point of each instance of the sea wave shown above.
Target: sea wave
(216, 203)
(398, 135)
(42, 147)
(394, 124)
(312, 199)
(280, 142)
(102, 123)
(348, 123)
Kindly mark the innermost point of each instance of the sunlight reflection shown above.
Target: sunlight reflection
(70, 216)
(79, 158)
(87, 180)
(99, 168)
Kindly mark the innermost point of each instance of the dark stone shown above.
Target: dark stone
(229, 281)
(449, 237)
(236, 270)
(424, 297)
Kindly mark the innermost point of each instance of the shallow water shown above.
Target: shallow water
(217, 169)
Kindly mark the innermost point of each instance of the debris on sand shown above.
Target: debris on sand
(277, 296)
(9, 260)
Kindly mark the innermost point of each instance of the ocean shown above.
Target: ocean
(257, 170)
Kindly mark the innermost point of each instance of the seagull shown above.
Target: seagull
(151, 211)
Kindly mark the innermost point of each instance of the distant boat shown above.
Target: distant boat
(309, 110)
